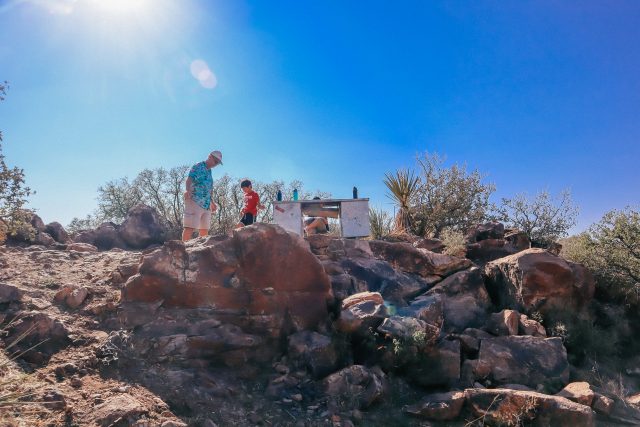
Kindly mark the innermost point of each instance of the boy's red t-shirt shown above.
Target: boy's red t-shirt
(251, 201)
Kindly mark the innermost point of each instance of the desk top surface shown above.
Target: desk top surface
(322, 201)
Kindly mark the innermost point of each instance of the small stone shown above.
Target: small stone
(281, 369)
(254, 418)
(76, 382)
(356, 414)
(297, 397)
(173, 424)
(285, 400)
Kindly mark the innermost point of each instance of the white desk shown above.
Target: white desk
(352, 213)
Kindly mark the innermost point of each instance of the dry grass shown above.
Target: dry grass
(19, 392)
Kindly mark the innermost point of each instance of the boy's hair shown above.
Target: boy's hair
(245, 183)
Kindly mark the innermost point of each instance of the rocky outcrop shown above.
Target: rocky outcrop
(141, 228)
(465, 300)
(57, 231)
(263, 280)
(409, 259)
(514, 407)
(488, 230)
(526, 360)
(536, 280)
(356, 387)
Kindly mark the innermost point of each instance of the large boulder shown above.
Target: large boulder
(488, 230)
(36, 336)
(464, 298)
(142, 227)
(314, 351)
(380, 276)
(407, 258)
(536, 280)
(106, 236)
(507, 407)
(360, 312)
(437, 365)
(57, 231)
(526, 360)
(260, 278)
(355, 387)
(9, 293)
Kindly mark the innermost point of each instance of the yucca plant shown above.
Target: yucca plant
(402, 185)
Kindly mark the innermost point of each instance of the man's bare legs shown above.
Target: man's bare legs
(187, 234)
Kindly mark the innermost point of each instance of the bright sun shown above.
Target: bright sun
(123, 6)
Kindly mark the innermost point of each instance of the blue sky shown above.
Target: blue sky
(537, 94)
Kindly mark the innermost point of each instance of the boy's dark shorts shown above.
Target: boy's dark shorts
(247, 219)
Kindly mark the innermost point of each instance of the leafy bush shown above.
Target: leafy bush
(611, 250)
(543, 219)
(448, 197)
(454, 241)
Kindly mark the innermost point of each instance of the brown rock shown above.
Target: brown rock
(603, 404)
(513, 407)
(439, 406)
(488, 230)
(526, 360)
(410, 259)
(429, 308)
(43, 239)
(489, 250)
(38, 333)
(81, 247)
(358, 317)
(315, 351)
(355, 387)
(72, 296)
(464, 298)
(380, 276)
(57, 231)
(262, 270)
(409, 328)
(432, 245)
(375, 297)
(634, 399)
(503, 323)
(531, 327)
(535, 279)
(518, 240)
(142, 227)
(9, 293)
(438, 365)
(119, 408)
(579, 392)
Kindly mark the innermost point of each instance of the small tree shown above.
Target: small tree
(448, 197)
(543, 219)
(611, 250)
(13, 193)
(402, 186)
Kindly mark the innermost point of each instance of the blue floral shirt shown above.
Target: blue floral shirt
(202, 184)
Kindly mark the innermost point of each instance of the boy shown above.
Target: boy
(251, 204)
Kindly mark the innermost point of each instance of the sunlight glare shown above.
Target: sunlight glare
(123, 6)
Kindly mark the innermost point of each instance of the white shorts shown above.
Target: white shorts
(196, 216)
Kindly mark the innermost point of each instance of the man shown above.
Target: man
(198, 202)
